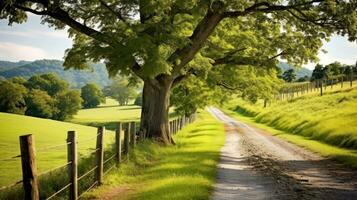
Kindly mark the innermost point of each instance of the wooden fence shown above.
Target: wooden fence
(292, 90)
(30, 175)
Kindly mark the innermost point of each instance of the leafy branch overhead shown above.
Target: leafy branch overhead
(165, 42)
(149, 38)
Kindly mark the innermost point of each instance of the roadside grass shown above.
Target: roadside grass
(186, 170)
(46, 133)
(331, 118)
(284, 120)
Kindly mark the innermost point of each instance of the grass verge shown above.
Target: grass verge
(184, 171)
(345, 156)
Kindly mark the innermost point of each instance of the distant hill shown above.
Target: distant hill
(6, 65)
(77, 78)
(300, 72)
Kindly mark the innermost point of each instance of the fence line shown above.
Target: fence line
(29, 168)
(292, 90)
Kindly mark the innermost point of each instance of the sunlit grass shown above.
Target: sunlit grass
(184, 171)
(331, 118)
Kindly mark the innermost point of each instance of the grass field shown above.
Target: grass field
(107, 114)
(46, 133)
(184, 171)
(326, 124)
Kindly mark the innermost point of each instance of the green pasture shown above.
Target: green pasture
(184, 171)
(110, 112)
(46, 133)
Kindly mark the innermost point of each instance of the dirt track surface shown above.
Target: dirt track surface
(256, 165)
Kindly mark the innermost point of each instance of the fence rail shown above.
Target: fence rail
(28, 158)
(292, 90)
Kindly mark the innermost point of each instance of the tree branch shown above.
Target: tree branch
(246, 60)
(226, 86)
(202, 31)
(116, 13)
(26, 9)
(268, 7)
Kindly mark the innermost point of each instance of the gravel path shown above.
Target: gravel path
(256, 165)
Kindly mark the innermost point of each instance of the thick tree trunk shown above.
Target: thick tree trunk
(155, 110)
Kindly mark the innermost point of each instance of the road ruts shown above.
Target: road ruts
(256, 165)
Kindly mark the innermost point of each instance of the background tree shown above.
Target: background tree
(12, 97)
(67, 103)
(50, 83)
(19, 80)
(121, 90)
(318, 73)
(92, 96)
(303, 79)
(40, 104)
(289, 75)
(171, 39)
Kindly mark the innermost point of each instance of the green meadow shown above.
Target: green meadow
(46, 133)
(184, 171)
(107, 114)
(325, 124)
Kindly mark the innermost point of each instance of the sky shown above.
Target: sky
(33, 40)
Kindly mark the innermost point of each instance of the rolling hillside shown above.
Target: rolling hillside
(77, 78)
(300, 72)
(47, 133)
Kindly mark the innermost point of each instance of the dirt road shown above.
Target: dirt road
(256, 165)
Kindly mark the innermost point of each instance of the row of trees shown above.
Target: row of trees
(48, 96)
(330, 71)
(45, 96)
(333, 70)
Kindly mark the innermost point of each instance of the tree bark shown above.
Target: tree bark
(155, 109)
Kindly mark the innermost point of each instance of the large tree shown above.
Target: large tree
(163, 42)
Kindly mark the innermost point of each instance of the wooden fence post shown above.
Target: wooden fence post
(175, 127)
(99, 156)
(181, 122)
(132, 134)
(73, 166)
(29, 168)
(118, 143)
(126, 139)
(321, 86)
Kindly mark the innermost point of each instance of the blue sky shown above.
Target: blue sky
(32, 40)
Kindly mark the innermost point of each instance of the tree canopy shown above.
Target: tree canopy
(289, 75)
(92, 95)
(121, 90)
(165, 42)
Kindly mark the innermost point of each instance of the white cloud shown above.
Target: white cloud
(37, 34)
(14, 52)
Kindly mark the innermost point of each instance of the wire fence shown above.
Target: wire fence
(114, 156)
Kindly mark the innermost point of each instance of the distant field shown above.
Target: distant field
(108, 112)
(47, 133)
